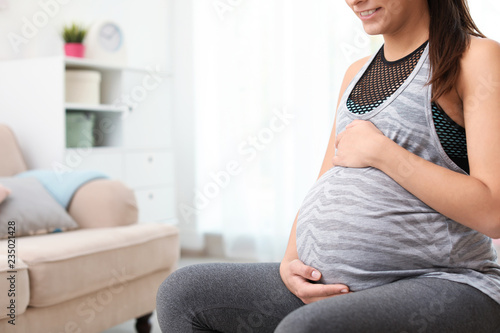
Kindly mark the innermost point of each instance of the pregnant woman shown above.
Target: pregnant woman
(395, 234)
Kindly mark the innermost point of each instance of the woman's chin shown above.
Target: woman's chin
(373, 28)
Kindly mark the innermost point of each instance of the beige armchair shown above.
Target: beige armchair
(85, 280)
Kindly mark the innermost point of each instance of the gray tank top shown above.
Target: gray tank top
(359, 227)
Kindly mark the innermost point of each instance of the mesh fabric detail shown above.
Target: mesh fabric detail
(381, 80)
(452, 137)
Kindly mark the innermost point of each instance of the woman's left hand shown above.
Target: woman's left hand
(358, 145)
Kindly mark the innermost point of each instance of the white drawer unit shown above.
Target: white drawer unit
(156, 205)
(148, 123)
(149, 169)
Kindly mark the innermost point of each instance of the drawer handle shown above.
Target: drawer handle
(151, 196)
(150, 159)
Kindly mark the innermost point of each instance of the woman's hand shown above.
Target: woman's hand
(358, 146)
(297, 278)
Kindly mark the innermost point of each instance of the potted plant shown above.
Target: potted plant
(73, 36)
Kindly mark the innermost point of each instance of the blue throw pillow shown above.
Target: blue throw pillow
(62, 186)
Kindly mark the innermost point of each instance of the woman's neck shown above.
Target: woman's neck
(399, 44)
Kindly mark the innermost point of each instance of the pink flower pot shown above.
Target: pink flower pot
(74, 50)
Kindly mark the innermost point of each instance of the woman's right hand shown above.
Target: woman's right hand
(297, 277)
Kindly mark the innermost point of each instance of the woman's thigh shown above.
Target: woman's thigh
(224, 298)
(406, 306)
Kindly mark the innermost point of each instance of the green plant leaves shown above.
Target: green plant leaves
(74, 33)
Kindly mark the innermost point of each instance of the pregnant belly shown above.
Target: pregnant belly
(360, 228)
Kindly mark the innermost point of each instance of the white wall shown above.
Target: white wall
(184, 117)
(485, 14)
(146, 26)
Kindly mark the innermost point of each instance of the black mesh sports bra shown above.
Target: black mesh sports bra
(382, 78)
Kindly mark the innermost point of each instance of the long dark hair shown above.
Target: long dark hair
(451, 29)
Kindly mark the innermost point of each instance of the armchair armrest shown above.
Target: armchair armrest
(103, 203)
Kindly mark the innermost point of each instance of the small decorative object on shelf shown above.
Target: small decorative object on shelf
(105, 42)
(83, 86)
(79, 129)
(73, 36)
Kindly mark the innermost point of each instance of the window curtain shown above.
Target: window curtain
(267, 77)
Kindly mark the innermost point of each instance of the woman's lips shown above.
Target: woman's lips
(368, 14)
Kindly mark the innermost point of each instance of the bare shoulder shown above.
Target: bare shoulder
(483, 44)
(351, 72)
(480, 66)
(482, 54)
(355, 67)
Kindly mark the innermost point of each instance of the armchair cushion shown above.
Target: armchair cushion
(75, 263)
(32, 208)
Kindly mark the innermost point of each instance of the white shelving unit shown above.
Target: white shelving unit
(94, 108)
(92, 64)
(132, 131)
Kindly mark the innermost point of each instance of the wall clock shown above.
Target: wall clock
(105, 42)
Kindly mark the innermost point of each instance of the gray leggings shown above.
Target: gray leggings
(244, 298)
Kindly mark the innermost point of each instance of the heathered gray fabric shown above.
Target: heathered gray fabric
(251, 298)
(359, 227)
